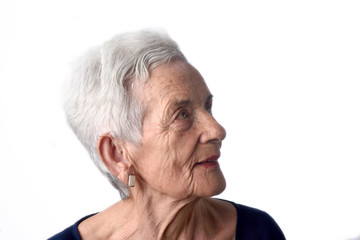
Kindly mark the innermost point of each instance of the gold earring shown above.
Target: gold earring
(131, 180)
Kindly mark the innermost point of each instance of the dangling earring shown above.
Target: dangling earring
(131, 180)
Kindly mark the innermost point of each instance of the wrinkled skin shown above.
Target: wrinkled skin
(179, 131)
(175, 166)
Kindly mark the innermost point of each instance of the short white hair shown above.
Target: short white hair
(99, 97)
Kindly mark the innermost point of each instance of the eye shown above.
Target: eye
(208, 107)
(183, 115)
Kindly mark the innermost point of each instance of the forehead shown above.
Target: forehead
(175, 80)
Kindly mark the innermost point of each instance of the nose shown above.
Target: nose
(212, 131)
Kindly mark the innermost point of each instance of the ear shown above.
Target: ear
(112, 153)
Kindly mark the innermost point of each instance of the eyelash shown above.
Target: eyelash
(208, 108)
(183, 112)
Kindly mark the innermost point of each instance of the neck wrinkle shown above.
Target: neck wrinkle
(182, 217)
(193, 218)
(163, 216)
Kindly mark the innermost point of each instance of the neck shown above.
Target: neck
(162, 218)
(157, 216)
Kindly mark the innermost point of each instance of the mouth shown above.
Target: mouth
(211, 161)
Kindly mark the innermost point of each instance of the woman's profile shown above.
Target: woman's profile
(144, 114)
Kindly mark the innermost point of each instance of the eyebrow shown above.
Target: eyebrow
(182, 103)
(187, 102)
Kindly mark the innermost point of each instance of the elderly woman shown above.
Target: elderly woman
(144, 114)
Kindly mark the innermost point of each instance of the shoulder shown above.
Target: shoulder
(70, 233)
(253, 223)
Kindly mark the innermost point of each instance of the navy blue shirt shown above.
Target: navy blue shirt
(252, 224)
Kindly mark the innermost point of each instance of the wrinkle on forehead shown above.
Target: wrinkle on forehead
(181, 82)
(175, 78)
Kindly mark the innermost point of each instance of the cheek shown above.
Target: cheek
(181, 151)
(176, 155)
(179, 163)
(167, 164)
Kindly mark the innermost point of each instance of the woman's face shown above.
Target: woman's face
(181, 139)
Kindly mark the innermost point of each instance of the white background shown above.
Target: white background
(286, 81)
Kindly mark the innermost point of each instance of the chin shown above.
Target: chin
(213, 187)
(221, 187)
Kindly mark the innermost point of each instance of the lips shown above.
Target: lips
(210, 161)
